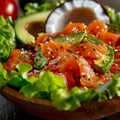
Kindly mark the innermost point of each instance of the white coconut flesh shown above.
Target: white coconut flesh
(74, 11)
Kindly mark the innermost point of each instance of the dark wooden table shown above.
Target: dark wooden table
(11, 112)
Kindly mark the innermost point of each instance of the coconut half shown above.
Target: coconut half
(74, 11)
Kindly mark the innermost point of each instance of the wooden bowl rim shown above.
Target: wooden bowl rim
(95, 109)
(14, 93)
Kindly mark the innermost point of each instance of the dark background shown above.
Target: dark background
(10, 112)
(112, 3)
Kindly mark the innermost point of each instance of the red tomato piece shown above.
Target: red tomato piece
(8, 8)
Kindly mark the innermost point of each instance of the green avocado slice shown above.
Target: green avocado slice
(102, 64)
(106, 61)
(21, 27)
(72, 39)
(77, 38)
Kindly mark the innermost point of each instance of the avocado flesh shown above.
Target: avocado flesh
(77, 38)
(106, 61)
(72, 39)
(23, 35)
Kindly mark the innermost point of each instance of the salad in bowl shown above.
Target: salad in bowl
(80, 63)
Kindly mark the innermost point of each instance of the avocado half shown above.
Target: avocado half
(28, 26)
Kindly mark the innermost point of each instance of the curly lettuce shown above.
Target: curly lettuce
(32, 8)
(7, 38)
(7, 30)
(40, 60)
(4, 49)
(64, 100)
(52, 87)
(3, 76)
(43, 86)
(114, 19)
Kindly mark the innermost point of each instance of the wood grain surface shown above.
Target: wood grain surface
(43, 109)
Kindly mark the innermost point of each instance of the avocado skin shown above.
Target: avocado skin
(24, 37)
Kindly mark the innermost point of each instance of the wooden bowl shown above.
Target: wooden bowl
(43, 108)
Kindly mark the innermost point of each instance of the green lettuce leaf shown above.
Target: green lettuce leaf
(114, 16)
(32, 8)
(40, 60)
(109, 89)
(7, 30)
(19, 78)
(3, 76)
(23, 69)
(71, 100)
(42, 87)
(52, 87)
(4, 48)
